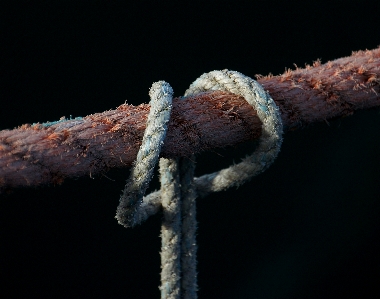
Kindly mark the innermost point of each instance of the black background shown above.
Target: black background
(306, 228)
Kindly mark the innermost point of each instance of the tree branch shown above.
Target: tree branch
(48, 153)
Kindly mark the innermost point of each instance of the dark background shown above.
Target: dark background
(306, 228)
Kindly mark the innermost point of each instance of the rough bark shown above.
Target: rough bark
(31, 155)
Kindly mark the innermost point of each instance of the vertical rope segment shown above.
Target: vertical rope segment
(170, 229)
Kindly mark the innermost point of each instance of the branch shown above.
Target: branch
(32, 155)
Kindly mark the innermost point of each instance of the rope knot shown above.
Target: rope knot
(179, 188)
(134, 208)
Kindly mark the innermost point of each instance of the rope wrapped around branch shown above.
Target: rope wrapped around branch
(135, 208)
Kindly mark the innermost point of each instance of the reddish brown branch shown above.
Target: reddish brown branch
(39, 154)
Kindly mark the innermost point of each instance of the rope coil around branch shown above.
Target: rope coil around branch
(128, 213)
(269, 142)
(179, 188)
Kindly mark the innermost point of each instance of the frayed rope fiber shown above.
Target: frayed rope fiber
(179, 188)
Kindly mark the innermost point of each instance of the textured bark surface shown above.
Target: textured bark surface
(38, 154)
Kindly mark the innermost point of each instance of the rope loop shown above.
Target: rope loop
(270, 140)
(129, 212)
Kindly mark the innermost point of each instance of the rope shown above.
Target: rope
(269, 142)
(170, 229)
(267, 150)
(128, 213)
(179, 188)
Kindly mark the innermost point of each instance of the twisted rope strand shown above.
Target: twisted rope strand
(269, 142)
(170, 229)
(133, 208)
(33, 155)
(128, 212)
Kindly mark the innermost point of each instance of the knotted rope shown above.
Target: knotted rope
(179, 188)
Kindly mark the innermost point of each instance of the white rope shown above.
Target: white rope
(129, 212)
(170, 229)
(177, 178)
(270, 139)
(267, 150)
